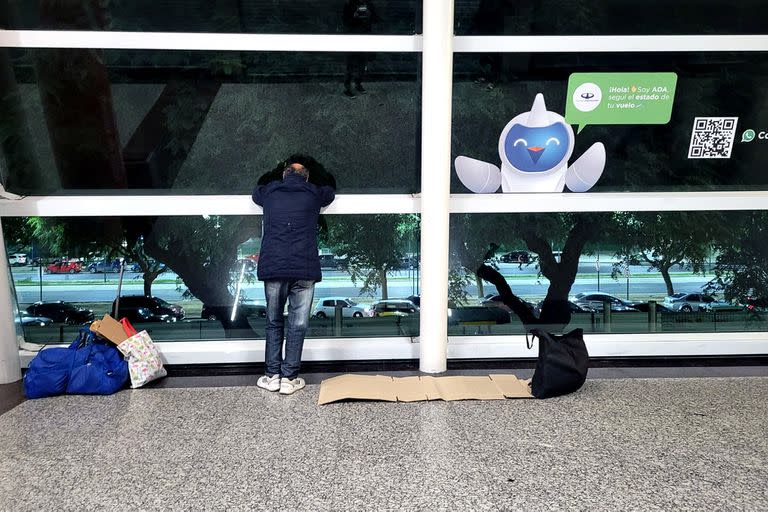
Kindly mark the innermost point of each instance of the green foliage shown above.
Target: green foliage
(372, 244)
(741, 268)
(665, 239)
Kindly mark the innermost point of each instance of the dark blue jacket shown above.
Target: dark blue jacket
(289, 243)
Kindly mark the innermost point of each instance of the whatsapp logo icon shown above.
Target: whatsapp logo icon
(748, 135)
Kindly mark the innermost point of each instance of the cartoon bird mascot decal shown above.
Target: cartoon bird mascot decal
(534, 148)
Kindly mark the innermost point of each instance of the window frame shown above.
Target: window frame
(607, 345)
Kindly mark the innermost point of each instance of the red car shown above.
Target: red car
(64, 267)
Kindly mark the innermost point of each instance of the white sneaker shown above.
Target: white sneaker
(288, 387)
(269, 383)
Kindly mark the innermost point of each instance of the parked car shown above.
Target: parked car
(687, 302)
(104, 266)
(478, 315)
(756, 303)
(28, 320)
(250, 265)
(408, 262)
(326, 307)
(572, 306)
(416, 299)
(332, 262)
(595, 300)
(246, 306)
(17, 260)
(492, 300)
(64, 267)
(645, 306)
(394, 307)
(61, 312)
(515, 257)
(141, 308)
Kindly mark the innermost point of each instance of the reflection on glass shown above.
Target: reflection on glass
(609, 272)
(176, 122)
(194, 277)
(718, 99)
(581, 17)
(249, 16)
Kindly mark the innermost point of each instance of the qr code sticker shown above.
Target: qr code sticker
(712, 137)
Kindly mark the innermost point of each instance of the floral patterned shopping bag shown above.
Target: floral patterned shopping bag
(144, 363)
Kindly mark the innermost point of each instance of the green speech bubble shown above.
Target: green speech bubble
(748, 135)
(620, 98)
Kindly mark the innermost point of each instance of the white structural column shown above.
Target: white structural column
(10, 368)
(436, 100)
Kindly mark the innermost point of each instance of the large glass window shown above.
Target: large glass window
(631, 272)
(249, 16)
(195, 278)
(705, 144)
(204, 122)
(608, 17)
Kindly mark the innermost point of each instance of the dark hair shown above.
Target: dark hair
(317, 173)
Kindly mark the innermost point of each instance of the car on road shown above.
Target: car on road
(645, 306)
(478, 315)
(64, 267)
(515, 257)
(142, 308)
(394, 307)
(247, 307)
(250, 265)
(326, 308)
(61, 312)
(332, 262)
(688, 302)
(104, 266)
(494, 301)
(572, 306)
(595, 300)
(17, 260)
(28, 320)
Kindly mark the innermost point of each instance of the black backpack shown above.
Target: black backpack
(562, 365)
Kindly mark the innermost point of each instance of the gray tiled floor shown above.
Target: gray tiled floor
(642, 444)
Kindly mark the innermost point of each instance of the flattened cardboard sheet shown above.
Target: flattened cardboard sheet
(511, 386)
(421, 388)
(411, 389)
(468, 388)
(359, 387)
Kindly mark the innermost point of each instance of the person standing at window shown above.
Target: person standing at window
(358, 18)
(291, 196)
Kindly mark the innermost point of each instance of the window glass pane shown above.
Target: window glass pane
(182, 275)
(660, 272)
(204, 122)
(582, 17)
(715, 139)
(252, 16)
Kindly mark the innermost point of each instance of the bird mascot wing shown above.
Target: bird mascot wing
(479, 177)
(587, 169)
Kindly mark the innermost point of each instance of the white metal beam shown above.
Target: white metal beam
(347, 204)
(208, 41)
(436, 98)
(375, 43)
(610, 44)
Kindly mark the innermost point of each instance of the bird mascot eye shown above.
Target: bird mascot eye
(552, 139)
(520, 142)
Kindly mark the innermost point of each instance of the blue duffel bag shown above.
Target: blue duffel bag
(89, 366)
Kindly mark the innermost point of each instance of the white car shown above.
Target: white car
(17, 260)
(688, 302)
(326, 308)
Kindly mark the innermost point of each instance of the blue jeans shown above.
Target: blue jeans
(299, 294)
